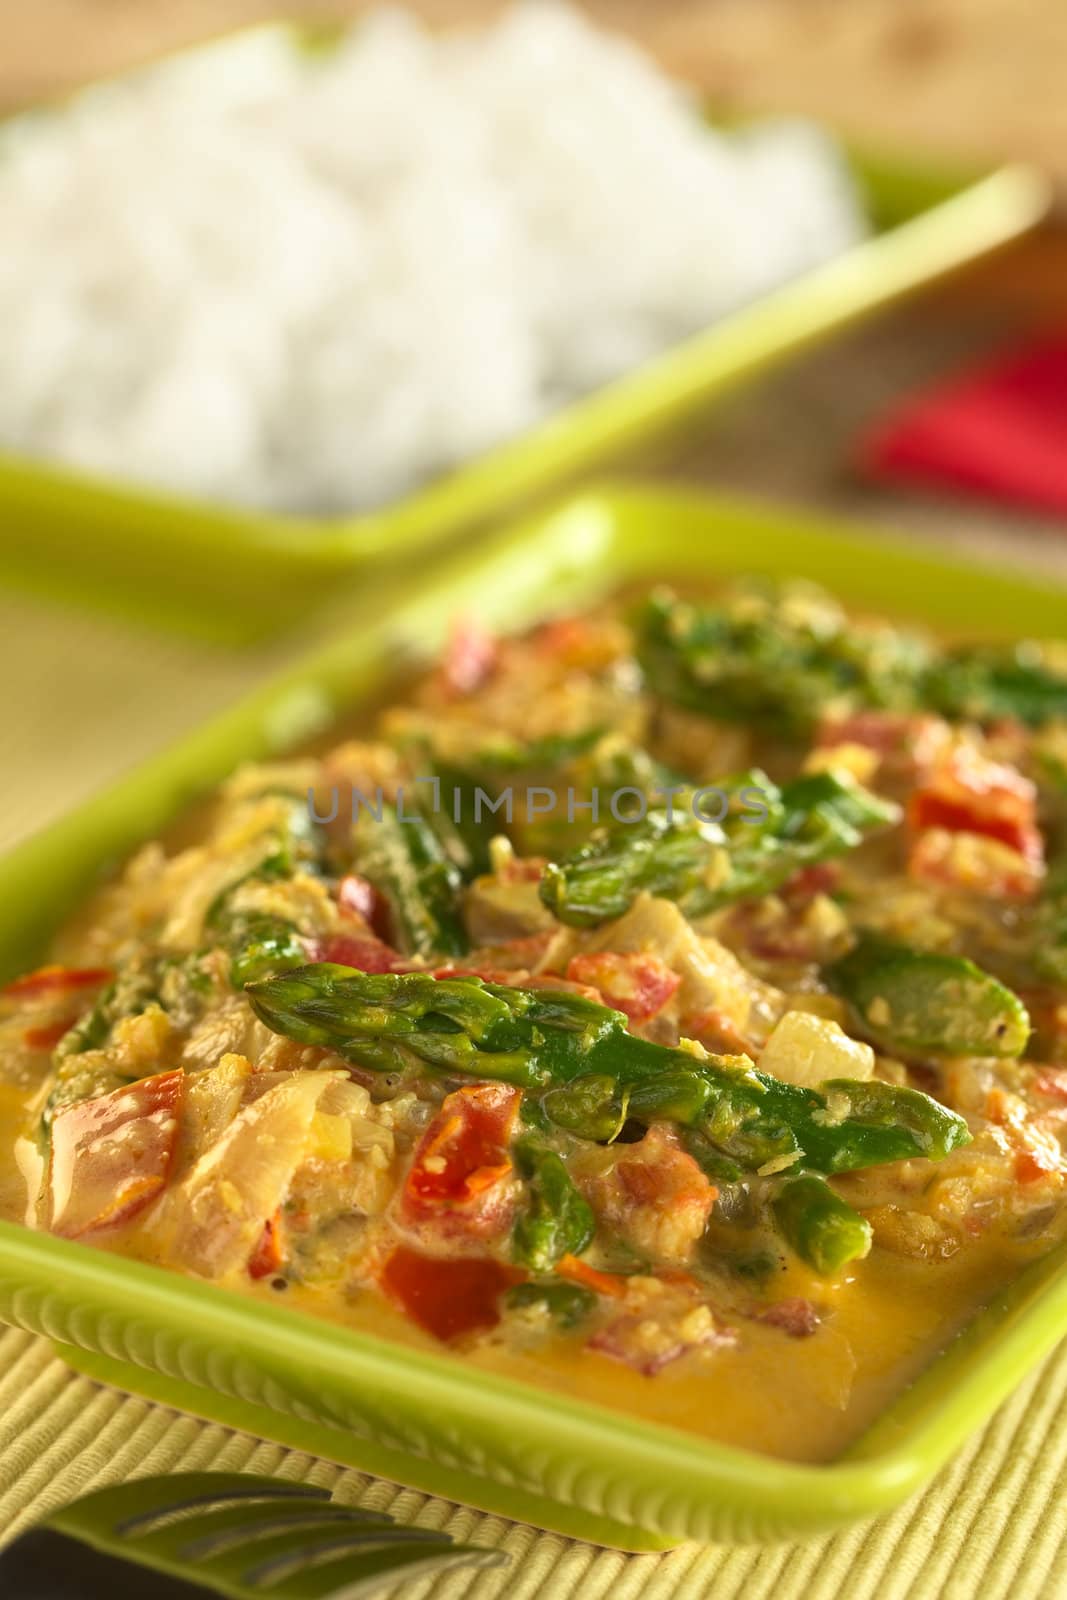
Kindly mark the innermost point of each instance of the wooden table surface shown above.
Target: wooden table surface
(979, 77)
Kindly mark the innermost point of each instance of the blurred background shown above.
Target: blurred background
(846, 426)
(976, 77)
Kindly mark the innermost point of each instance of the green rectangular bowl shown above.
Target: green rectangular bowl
(430, 1420)
(234, 576)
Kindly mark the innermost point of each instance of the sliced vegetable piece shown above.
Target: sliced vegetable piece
(111, 1156)
(822, 1229)
(213, 1220)
(808, 1050)
(924, 1002)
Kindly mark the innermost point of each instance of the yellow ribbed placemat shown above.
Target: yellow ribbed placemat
(994, 1524)
(86, 699)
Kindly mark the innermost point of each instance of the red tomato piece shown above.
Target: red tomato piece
(459, 1176)
(447, 1298)
(471, 656)
(1032, 1165)
(821, 878)
(639, 985)
(58, 980)
(365, 955)
(48, 1035)
(112, 1155)
(268, 1256)
(973, 863)
(359, 896)
(969, 793)
(717, 1032)
(486, 974)
(896, 735)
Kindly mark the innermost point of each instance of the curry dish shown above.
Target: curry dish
(668, 1007)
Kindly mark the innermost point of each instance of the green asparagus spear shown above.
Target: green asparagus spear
(566, 1303)
(820, 1227)
(258, 942)
(261, 946)
(703, 865)
(177, 984)
(777, 660)
(406, 863)
(924, 1002)
(547, 1040)
(982, 683)
(768, 659)
(557, 1221)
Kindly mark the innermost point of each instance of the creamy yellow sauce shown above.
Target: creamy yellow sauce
(801, 1399)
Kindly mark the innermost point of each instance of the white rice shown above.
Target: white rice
(268, 278)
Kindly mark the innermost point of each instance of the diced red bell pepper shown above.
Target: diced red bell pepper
(639, 985)
(112, 1155)
(459, 1176)
(268, 1257)
(447, 1297)
(58, 980)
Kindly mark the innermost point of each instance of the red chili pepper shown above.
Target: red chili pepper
(447, 1298)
